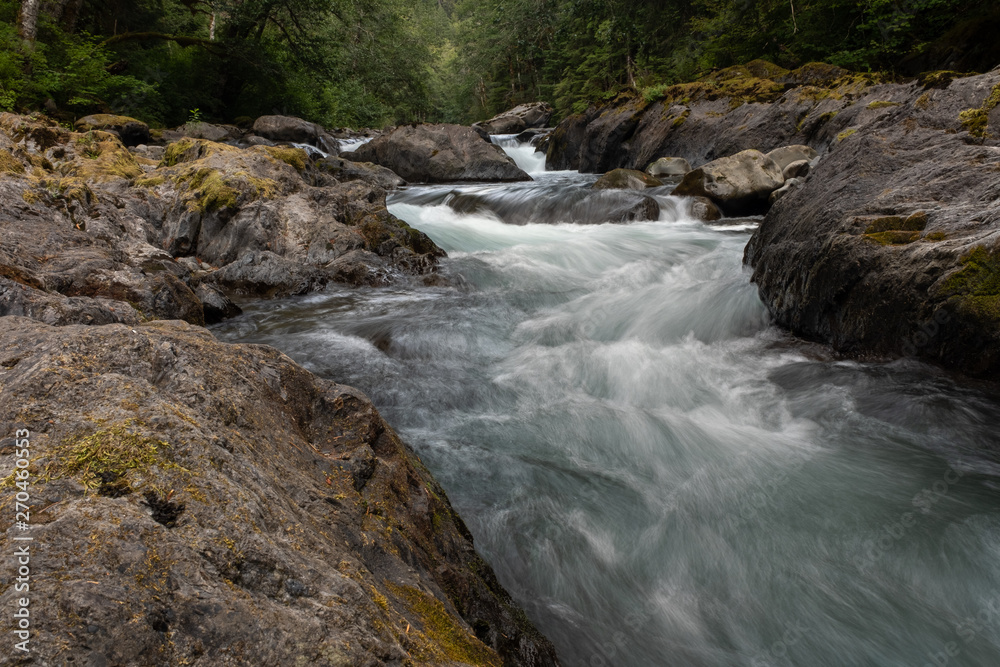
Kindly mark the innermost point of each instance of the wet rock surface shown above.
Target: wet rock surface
(212, 504)
(439, 153)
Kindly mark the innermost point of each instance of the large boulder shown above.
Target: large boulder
(519, 119)
(626, 179)
(132, 132)
(439, 154)
(236, 510)
(287, 128)
(890, 246)
(739, 184)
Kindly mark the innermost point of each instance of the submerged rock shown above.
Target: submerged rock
(439, 153)
(236, 509)
(626, 179)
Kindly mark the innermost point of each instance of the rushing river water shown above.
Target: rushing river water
(657, 474)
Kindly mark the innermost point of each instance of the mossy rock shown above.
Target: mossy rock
(912, 223)
(939, 79)
(975, 121)
(9, 164)
(976, 286)
(445, 637)
(814, 74)
(100, 156)
(131, 131)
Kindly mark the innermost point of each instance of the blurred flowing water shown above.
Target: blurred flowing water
(657, 474)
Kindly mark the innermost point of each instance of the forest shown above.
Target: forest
(371, 63)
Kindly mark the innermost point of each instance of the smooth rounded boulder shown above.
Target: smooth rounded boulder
(669, 166)
(739, 184)
(786, 155)
(797, 169)
(439, 154)
(626, 179)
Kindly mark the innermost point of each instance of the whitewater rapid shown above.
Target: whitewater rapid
(656, 473)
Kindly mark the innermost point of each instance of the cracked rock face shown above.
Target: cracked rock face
(210, 504)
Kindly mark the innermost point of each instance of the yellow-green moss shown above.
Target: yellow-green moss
(9, 164)
(680, 119)
(935, 236)
(150, 181)
(295, 157)
(975, 120)
(189, 150)
(882, 104)
(923, 102)
(912, 223)
(102, 120)
(894, 237)
(114, 451)
(845, 134)
(446, 635)
(977, 285)
(940, 78)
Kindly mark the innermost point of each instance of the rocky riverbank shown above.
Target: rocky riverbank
(890, 245)
(201, 503)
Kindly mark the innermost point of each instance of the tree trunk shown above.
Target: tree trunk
(27, 21)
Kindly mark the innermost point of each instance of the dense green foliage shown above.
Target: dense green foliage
(371, 62)
(572, 52)
(358, 63)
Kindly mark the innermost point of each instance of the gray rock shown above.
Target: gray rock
(287, 128)
(518, 119)
(616, 206)
(704, 209)
(59, 310)
(797, 169)
(210, 131)
(220, 520)
(739, 184)
(439, 153)
(217, 305)
(132, 132)
(626, 179)
(347, 170)
(891, 244)
(669, 166)
(786, 155)
(789, 185)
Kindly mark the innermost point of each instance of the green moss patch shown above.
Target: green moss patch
(975, 120)
(976, 285)
(108, 455)
(882, 104)
(445, 635)
(845, 134)
(9, 164)
(295, 157)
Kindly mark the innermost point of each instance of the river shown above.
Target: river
(658, 475)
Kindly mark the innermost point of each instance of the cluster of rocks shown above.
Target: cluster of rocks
(204, 503)
(177, 237)
(887, 246)
(747, 183)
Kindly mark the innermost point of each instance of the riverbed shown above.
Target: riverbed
(659, 475)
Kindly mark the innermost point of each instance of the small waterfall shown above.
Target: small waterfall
(348, 145)
(522, 153)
